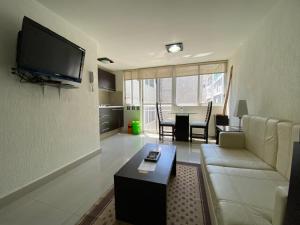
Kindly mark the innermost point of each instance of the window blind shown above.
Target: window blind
(177, 70)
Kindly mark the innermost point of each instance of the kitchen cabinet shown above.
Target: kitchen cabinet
(111, 118)
(106, 80)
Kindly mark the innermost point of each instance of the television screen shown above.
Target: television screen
(42, 52)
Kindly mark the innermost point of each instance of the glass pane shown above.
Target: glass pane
(187, 90)
(149, 91)
(135, 92)
(150, 118)
(212, 88)
(128, 99)
(149, 101)
(166, 112)
(165, 90)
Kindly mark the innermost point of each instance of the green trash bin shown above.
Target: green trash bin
(136, 127)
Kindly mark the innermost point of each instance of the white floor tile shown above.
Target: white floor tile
(71, 220)
(34, 213)
(65, 199)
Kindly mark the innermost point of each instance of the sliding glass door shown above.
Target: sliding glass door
(149, 105)
(156, 90)
(164, 92)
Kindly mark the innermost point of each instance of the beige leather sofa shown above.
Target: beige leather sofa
(246, 175)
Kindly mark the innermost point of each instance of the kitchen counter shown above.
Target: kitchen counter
(111, 106)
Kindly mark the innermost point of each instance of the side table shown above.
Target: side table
(220, 128)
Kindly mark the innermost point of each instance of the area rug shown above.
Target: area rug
(186, 201)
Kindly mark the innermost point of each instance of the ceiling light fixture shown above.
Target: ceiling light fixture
(175, 47)
(105, 60)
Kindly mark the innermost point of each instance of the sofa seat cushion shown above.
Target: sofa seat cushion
(247, 192)
(240, 158)
(231, 213)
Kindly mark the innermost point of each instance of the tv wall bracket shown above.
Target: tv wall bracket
(26, 77)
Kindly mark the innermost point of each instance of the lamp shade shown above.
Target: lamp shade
(241, 108)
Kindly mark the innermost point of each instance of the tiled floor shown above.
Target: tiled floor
(65, 199)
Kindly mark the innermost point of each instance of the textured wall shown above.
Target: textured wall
(267, 66)
(40, 133)
(104, 97)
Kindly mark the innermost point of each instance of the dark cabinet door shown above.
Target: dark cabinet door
(105, 120)
(106, 80)
(121, 118)
(114, 121)
(118, 117)
(110, 119)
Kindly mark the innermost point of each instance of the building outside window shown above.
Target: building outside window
(212, 88)
(187, 91)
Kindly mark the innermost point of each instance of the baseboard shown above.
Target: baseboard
(110, 133)
(45, 179)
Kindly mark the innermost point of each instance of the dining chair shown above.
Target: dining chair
(164, 123)
(201, 124)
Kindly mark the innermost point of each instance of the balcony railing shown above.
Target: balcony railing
(150, 119)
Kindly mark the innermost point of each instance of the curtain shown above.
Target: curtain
(177, 70)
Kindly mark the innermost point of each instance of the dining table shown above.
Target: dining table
(182, 125)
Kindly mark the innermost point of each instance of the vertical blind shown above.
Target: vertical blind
(177, 70)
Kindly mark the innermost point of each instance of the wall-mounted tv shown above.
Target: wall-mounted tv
(45, 54)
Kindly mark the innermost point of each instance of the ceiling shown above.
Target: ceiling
(133, 33)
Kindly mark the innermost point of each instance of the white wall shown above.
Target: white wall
(267, 66)
(40, 133)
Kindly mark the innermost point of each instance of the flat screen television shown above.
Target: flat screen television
(43, 53)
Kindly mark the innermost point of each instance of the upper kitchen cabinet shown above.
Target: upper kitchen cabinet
(106, 80)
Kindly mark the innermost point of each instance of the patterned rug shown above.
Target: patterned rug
(186, 201)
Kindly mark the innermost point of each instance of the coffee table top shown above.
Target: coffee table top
(229, 128)
(163, 165)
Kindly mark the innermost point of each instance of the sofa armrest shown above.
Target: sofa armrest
(281, 196)
(232, 140)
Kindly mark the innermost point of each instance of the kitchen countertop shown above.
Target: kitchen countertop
(110, 106)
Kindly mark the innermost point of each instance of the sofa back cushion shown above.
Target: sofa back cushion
(271, 142)
(288, 133)
(261, 137)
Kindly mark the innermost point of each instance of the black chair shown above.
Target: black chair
(201, 124)
(166, 123)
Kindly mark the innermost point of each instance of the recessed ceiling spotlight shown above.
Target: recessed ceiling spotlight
(105, 60)
(203, 54)
(175, 47)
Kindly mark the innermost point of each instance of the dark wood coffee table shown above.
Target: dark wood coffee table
(141, 198)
